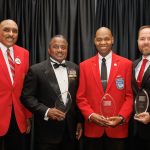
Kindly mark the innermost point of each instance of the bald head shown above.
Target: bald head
(7, 22)
(104, 30)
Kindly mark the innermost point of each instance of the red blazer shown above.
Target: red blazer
(10, 94)
(90, 93)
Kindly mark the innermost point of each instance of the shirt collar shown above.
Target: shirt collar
(4, 48)
(109, 56)
(148, 58)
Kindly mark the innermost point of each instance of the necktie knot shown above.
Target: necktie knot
(103, 60)
(145, 61)
(8, 50)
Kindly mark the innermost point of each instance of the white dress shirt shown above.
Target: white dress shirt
(138, 67)
(108, 63)
(62, 79)
(4, 52)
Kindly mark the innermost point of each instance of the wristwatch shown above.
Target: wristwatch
(122, 119)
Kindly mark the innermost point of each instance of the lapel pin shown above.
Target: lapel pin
(72, 73)
(115, 64)
(18, 61)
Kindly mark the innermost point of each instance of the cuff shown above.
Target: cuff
(45, 116)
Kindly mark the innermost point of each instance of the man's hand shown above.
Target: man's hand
(56, 114)
(142, 117)
(114, 121)
(28, 125)
(98, 119)
(79, 131)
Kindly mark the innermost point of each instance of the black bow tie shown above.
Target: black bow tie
(57, 65)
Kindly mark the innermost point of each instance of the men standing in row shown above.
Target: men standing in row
(54, 128)
(140, 126)
(14, 63)
(105, 96)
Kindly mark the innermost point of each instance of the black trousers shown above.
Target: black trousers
(139, 143)
(104, 143)
(14, 139)
(66, 144)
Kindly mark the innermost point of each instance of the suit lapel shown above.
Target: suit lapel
(96, 72)
(51, 78)
(4, 68)
(17, 56)
(72, 75)
(68, 72)
(134, 66)
(113, 71)
(146, 76)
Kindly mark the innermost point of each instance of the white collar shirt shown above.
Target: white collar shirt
(4, 52)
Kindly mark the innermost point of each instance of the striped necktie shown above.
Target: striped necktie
(11, 63)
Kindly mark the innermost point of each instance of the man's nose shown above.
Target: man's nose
(11, 32)
(59, 49)
(103, 42)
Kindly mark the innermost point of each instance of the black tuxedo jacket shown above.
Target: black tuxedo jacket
(40, 92)
(139, 128)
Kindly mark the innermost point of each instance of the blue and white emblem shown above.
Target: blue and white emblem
(120, 83)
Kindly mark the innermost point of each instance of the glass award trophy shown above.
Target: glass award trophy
(107, 106)
(141, 101)
(63, 102)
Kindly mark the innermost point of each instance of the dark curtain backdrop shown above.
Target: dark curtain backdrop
(124, 17)
(39, 20)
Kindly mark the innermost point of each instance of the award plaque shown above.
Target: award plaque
(63, 102)
(107, 106)
(141, 101)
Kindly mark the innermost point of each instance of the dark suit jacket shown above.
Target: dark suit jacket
(40, 93)
(139, 128)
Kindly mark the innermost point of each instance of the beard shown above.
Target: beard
(145, 52)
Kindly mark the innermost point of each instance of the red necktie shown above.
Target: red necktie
(11, 63)
(141, 72)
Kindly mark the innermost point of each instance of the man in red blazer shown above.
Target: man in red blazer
(14, 62)
(106, 103)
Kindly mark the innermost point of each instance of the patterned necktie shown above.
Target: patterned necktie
(141, 72)
(11, 63)
(104, 74)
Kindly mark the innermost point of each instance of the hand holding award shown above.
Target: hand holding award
(141, 101)
(63, 102)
